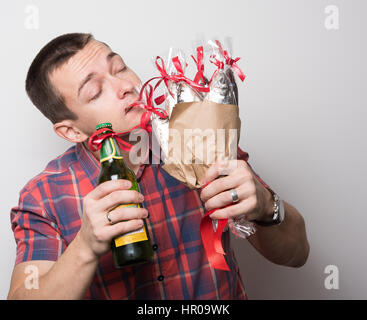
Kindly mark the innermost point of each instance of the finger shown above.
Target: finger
(225, 198)
(219, 185)
(118, 197)
(244, 207)
(120, 228)
(220, 168)
(124, 214)
(107, 187)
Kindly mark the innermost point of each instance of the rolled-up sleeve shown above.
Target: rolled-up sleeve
(36, 233)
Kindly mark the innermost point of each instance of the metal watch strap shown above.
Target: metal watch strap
(278, 212)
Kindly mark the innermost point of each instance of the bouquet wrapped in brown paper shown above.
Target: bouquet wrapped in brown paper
(204, 126)
(202, 123)
(200, 133)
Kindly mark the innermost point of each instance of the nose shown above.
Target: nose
(122, 87)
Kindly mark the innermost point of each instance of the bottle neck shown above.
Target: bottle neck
(110, 150)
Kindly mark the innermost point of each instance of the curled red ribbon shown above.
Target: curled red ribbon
(219, 64)
(144, 123)
(232, 62)
(96, 139)
(165, 77)
(199, 61)
(229, 61)
(212, 240)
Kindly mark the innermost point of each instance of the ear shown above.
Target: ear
(67, 130)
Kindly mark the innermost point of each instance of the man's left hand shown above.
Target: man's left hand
(255, 201)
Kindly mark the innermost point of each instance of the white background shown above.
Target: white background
(303, 109)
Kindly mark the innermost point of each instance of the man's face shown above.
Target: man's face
(98, 87)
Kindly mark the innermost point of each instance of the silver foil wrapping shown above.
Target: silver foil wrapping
(176, 93)
(161, 131)
(187, 94)
(161, 126)
(232, 84)
(172, 96)
(222, 88)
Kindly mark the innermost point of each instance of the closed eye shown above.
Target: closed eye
(95, 97)
(122, 69)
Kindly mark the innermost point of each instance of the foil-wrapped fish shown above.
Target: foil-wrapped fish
(222, 88)
(172, 97)
(178, 92)
(161, 131)
(161, 126)
(187, 94)
(232, 83)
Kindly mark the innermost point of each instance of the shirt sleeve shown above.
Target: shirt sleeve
(36, 234)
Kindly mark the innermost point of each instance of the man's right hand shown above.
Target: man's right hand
(96, 232)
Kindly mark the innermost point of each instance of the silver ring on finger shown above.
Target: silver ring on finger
(234, 196)
(109, 218)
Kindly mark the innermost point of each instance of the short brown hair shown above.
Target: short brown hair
(38, 85)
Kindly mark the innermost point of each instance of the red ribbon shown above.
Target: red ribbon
(144, 123)
(228, 61)
(165, 77)
(232, 62)
(212, 240)
(181, 77)
(219, 64)
(177, 63)
(96, 139)
(199, 61)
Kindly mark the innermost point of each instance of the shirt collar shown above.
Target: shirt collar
(88, 162)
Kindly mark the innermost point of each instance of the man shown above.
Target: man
(60, 223)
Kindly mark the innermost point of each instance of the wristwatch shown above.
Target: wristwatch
(278, 212)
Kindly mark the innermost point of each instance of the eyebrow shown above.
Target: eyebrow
(92, 74)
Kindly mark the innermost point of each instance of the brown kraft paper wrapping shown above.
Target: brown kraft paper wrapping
(195, 142)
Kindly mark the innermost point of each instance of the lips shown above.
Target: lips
(128, 108)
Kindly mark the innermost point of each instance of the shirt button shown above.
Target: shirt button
(160, 278)
(155, 247)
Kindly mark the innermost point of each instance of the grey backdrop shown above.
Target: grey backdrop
(303, 108)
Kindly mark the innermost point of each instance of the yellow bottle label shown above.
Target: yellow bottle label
(133, 236)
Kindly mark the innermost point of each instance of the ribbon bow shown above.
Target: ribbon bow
(165, 77)
(232, 62)
(229, 61)
(199, 64)
(96, 139)
(144, 123)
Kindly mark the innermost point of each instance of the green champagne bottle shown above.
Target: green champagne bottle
(133, 247)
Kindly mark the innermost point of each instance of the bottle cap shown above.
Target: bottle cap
(104, 125)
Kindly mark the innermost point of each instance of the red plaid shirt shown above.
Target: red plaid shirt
(48, 218)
